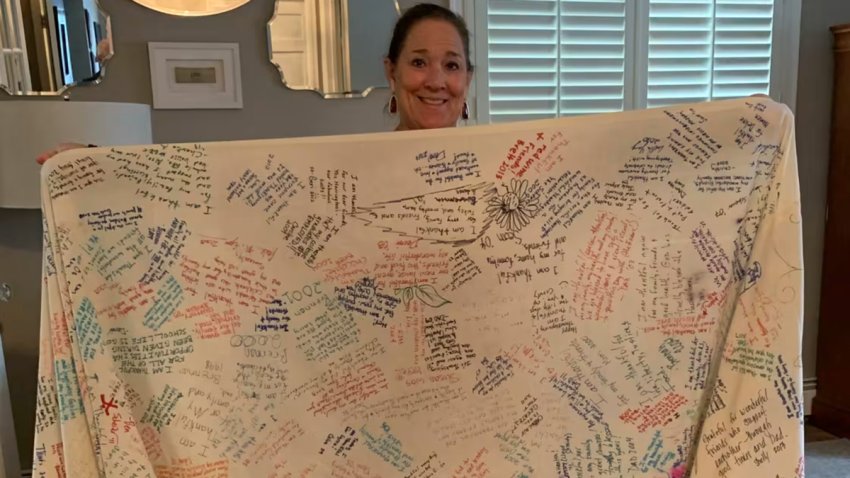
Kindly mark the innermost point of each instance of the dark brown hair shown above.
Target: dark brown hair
(427, 11)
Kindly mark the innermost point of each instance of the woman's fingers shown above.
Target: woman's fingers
(43, 157)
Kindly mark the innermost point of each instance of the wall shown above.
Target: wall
(814, 106)
(270, 110)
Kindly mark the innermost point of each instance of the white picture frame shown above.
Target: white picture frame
(195, 75)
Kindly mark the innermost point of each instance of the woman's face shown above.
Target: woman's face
(430, 78)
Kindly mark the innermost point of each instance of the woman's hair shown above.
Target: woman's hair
(427, 11)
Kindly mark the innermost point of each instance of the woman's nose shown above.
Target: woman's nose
(436, 77)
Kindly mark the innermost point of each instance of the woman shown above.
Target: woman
(427, 67)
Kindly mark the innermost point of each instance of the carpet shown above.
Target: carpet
(828, 459)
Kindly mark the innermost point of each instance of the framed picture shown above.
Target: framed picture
(195, 75)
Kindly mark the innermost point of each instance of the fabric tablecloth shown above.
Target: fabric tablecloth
(603, 296)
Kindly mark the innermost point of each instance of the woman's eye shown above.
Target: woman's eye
(453, 65)
(418, 62)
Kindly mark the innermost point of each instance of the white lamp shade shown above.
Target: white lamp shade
(27, 128)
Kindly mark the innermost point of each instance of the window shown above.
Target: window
(548, 58)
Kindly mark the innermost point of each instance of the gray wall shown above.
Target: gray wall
(272, 111)
(814, 106)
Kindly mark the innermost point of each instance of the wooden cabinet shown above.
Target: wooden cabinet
(831, 406)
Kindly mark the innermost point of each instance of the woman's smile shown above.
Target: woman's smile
(433, 101)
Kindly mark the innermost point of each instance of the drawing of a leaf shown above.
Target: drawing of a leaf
(429, 295)
(407, 295)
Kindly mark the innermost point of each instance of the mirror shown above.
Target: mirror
(191, 8)
(47, 46)
(334, 47)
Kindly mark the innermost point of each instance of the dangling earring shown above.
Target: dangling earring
(393, 107)
(465, 112)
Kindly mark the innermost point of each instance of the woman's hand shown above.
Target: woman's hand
(58, 149)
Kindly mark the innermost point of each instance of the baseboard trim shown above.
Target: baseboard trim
(809, 392)
(808, 397)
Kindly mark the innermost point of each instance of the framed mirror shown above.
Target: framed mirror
(47, 46)
(333, 47)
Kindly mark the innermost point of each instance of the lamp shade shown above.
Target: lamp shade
(27, 128)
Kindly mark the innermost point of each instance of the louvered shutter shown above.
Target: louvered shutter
(702, 50)
(522, 59)
(743, 44)
(548, 58)
(679, 65)
(593, 57)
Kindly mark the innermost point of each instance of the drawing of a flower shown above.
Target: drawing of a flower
(514, 209)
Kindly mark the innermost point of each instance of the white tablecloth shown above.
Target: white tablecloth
(616, 295)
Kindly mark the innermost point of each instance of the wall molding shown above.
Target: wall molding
(809, 390)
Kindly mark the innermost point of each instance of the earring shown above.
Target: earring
(465, 112)
(393, 107)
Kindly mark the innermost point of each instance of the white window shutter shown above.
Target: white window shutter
(593, 57)
(680, 52)
(743, 43)
(548, 58)
(522, 59)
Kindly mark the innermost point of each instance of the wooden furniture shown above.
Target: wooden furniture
(831, 405)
